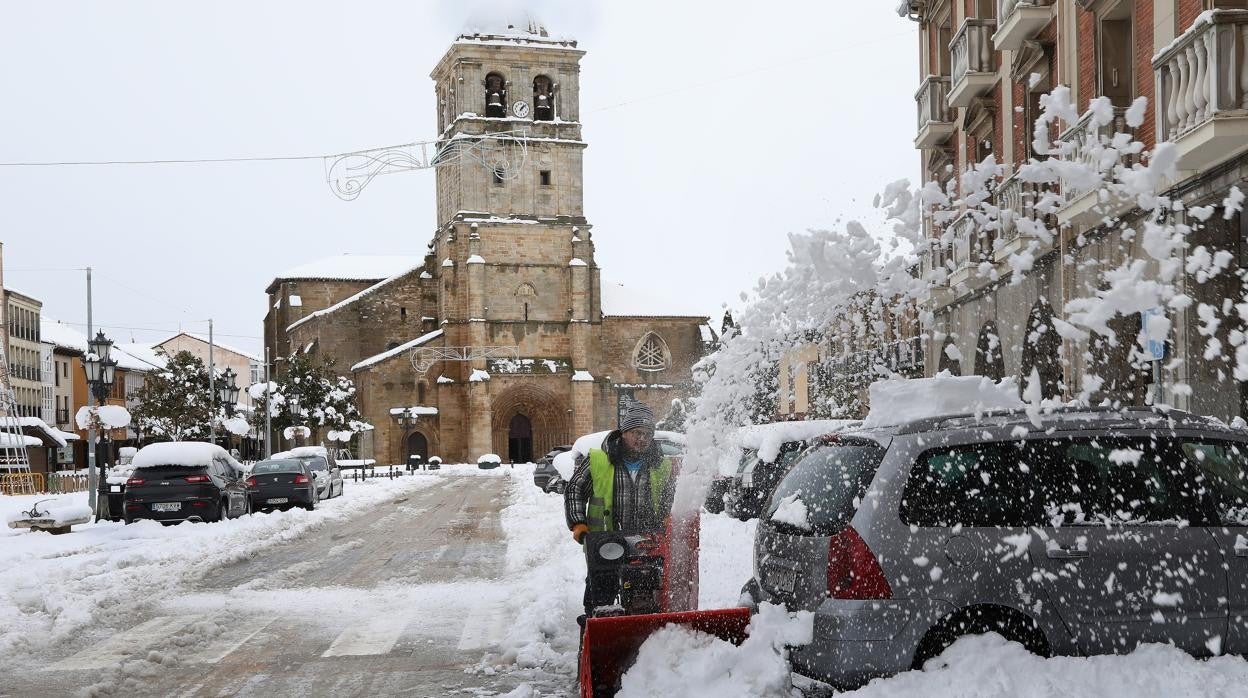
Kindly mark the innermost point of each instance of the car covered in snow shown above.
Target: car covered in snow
(185, 481)
(282, 483)
(1072, 531)
(544, 470)
(767, 453)
(324, 466)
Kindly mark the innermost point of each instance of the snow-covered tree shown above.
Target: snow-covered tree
(175, 404)
(308, 394)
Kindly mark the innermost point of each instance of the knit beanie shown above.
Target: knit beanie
(636, 414)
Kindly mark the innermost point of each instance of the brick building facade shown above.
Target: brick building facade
(503, 337)
(983, 65)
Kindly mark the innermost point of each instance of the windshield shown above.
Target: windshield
(277, 466)
(828, 481)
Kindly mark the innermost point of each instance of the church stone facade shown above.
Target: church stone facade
(499, 339)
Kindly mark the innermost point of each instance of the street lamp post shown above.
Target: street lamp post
(101, 370)
(227, 393)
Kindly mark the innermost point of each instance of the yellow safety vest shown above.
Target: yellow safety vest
(602, 474)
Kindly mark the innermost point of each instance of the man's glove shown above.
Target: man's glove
(579, 531)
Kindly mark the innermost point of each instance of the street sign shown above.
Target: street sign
(1156, 347)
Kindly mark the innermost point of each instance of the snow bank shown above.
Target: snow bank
(59, 511)
(188, 453)
(987, 666)
(677, 661)
(896, 401)
(54, 588)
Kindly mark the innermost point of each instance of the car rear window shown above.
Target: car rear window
(278, 466)
(158, 472)
(317, 463)
(830, 481)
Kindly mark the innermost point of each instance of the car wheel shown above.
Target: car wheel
(977, 621)
(223, 511)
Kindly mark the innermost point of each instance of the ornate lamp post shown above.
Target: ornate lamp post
(101, 370)
(227, 391)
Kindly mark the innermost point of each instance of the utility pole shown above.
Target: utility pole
(268, 411)
(92, 475)
(212, 389)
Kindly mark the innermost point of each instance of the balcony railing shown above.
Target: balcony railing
(972, 242)
(933, 257)
(1203, 74)
(1020, 20)
(974, 67)
(935, 117)
(62, 416)
(1016, 200)
(1086, 140)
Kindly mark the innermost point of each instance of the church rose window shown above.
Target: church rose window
(651, 354)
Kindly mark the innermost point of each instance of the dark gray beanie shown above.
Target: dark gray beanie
(636, 414)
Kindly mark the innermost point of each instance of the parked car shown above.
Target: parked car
(767, 452)
(1089, 531)
(324, 466)
(185, 481)
(281, 484)
(544, 470)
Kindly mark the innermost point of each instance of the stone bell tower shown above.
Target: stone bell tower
(513, 255)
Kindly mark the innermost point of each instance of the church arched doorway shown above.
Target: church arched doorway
(520, 440)
(417, 445)
(545, 418)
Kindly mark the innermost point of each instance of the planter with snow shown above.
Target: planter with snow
(435, 463)
(489, 460)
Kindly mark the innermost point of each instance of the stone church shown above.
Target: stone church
(503, 337)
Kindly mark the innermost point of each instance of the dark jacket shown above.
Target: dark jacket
(631, 508)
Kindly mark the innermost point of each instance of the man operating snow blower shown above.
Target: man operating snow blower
(626, 485)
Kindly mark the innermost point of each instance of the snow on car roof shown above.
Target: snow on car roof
(186, 453)
(308, 451)
(768, 438)
(901, 400)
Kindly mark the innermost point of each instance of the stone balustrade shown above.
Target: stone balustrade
(1203, 72)
(973, 56)
(933, 101)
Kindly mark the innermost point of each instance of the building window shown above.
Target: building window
(543, 99)
(498, 173)
(1114, 48)
(651, 353)
(544, 178)
(402, 314)
(495, 96)
(420, 393)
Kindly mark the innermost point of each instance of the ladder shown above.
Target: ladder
(15, 475)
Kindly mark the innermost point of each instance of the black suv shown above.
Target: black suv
(166, 486)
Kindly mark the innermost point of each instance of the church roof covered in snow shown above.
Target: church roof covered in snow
(522, 27)
(619, 300)
(353, 267)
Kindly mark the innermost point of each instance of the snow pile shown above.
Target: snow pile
(102, 417)
(237, 426)
(61, 511)
(677, 661)
(768, 438)
(792, 510)
(490, 459)
(987, 666)
(900, 400)
(188, 453)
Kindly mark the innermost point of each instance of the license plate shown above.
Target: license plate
(167, 506)
(782, 579)
(279, 500)
(114, 488)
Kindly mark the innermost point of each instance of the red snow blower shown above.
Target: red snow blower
(643, 581)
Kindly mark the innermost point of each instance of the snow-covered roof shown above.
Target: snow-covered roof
(130, 357)
(378, 358)
(186, 453)
(143, 353)
(352, 299)
(352, 267)
(54, 434)
(619, 300)
(492, 26)
(218, 345)
(8, 440)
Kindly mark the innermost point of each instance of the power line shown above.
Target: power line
(153, 329)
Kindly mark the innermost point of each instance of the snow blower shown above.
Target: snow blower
(643, 581)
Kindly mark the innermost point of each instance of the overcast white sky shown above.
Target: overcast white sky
(714, 130)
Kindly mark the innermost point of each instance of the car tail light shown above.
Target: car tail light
(251, 482)
(199, 504)
(134, 482)
(134, 507)
(301, 479)
(853, 571)
(197, 478)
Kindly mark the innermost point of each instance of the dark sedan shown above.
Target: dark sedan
(544, 473)
(282, 484)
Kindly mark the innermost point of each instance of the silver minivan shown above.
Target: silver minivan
(1091, 533)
